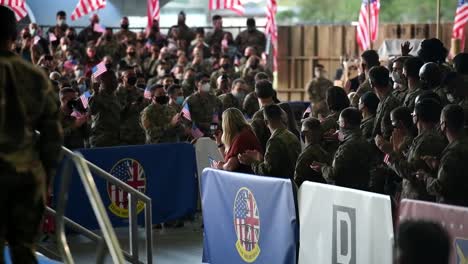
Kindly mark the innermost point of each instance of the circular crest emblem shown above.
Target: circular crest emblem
(247, 225)
(131, 172)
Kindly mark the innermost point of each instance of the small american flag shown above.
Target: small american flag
(99, 69)
(36, 40)
(307, 112)
(387, 159)
(196, 132)
(215, 118)
(85, 99)
(99, 28)
(85, 7)
(52, 37)
(234, 5)
(18, 7)
(364, 37)
(461, 16)
(247, 220)
(186, 112)
(153, 11)
(147, 94)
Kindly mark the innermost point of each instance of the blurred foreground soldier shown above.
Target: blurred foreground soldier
(27, 160)
(317, 88)
(160, 122)
(251, 105)
(379, 80)
(400, 87)
(105, 113)
(369, 59)
(235, 98)
(450, 184)
(431, 79)
(351, 164)
(422, 242)
(282, 149)
(411, 72)
(311, 133)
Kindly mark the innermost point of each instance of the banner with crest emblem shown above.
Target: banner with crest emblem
(248, 219)
(164, 172)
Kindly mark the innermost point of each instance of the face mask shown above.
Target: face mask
(64, 47)
(179, 76)
(71, 37)
(131, 54)
(69, 57)
(180, 100)
(240, 96)
(82, 87)
(162, 100)
(124, 26)
(141, 86)
(132, 80)
(206, 88)
(161, 72)
(450, 98)
(396, 77)
(33, 32)
(61, 22)
(108, 66)
(78, 73)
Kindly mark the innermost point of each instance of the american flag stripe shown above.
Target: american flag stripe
(85, 7)
(186, 112)
(233, 5)
(461, 17)
(17, 6)
(99, 69)
(153, 11)
(271, 29)
(366, 22)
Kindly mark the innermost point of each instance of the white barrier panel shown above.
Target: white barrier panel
(346, 226)
(206, 147)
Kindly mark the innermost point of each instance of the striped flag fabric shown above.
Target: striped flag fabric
(99, 28)
(18, 7)
(36, 40)
(461, 17)
(271, 30)
(52, 37)
(196, 132)
(85, 7)
(147, 94)
(233, 5)
(99, 69)
(307, 112)
(186, 112)
(85, 99)
(153, 12)
(368, 22)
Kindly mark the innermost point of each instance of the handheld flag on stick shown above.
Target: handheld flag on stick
(52, 37)
(196, 132)
(99, 69)
(85, 99)
(186, 112)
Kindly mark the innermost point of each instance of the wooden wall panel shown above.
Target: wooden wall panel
(351, 47)
(283, 53)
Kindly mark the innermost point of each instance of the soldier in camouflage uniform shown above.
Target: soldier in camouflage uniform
(235, 98)
(160, 122)
(368, 106)
(431, 79)
(188, 84)
(369, 59)
(282, 149)
(428, 143)
(203, 105)
(27, 161)
(379, 80)
(450, 184)
(131, 102)
(251, 105)
(317, 88)
(411, 71)
(225, 69)
(352, 161)
(313, 152)
(251, 37)
(105, 109)
(176, 97)
(400, 87)
(75, 127)
(252, 68)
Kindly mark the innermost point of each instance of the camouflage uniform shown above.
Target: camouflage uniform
(176, 107)
(383, 124)
(440, 91)
(150, 66)
(74, 137)
(188, 88)
(215, 37)
(411, 97)
(255, 39)
(367, 127)
(303, 172)
(229, 100)
(131, 103)
(27, 164)
(105, 120)
(202, 108)
(362, 89)
(464, 105)
(317, 90)
(131, 36)
(429, 143)
(400, 94)
(330, 123)
(248, 74)
(199, 67)
(282, 150)
(351, 163)
(451, 184)
(155, 120)
(250, 105)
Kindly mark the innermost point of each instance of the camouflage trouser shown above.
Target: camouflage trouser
(21, 210)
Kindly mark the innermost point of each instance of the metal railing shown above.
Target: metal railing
(108, 237)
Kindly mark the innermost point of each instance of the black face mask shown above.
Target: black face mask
(131, 54)
(71, 37)
(108, 66)
(124, 26)
(132, 80)
(162, 100)
(141, 86)
(108, 38)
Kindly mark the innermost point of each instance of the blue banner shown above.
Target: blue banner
(248, 219)
(164, 172)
